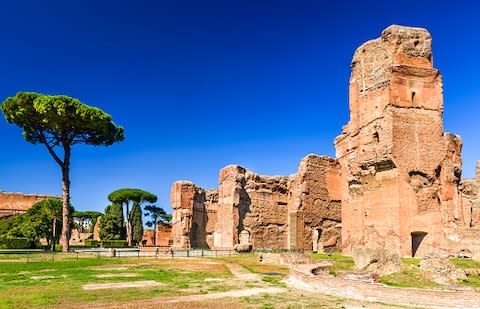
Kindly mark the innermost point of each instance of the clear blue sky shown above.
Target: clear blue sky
(202, 84)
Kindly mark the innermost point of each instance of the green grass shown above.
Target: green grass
(465, 263)
(293, 300)
(472, 281)
(340, 262)
(252, 264)
(408, 277)
(415, 277)
(49, 283)
(411, 261)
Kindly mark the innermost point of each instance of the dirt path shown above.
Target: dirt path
(238, 272)
(121, 285)
(157, 301)
(242, 274)
(418, 298)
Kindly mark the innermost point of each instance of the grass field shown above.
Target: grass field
(64, 281)
(340, 261)
(48, 283)
(44, 282)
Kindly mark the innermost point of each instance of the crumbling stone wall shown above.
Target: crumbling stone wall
(276, 212)
(470, 190)
(253, 204)
(17, 203)
(211, 207)
(163, 237)
(314, 205)
(396, 183)
(191, 215)
(266, 218)
(400, 170)
(185, 196)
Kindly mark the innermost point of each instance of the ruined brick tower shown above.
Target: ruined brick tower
(395, 182)
(400, 169)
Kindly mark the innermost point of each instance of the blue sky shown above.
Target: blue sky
(202, 84)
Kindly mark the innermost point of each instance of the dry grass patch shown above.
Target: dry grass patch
(190, 264)
(115, 275)
(121, 285)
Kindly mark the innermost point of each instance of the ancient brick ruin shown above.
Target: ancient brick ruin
(12, 203)
(302, 211)
(401, 172)
(163, 236)
(396, 182)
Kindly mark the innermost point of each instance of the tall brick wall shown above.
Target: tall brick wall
(401, 171)
(261, 209)
(314, 205)
(163, 237)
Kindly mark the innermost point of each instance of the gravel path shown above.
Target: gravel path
(154, 302)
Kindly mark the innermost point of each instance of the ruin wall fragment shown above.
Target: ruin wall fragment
(275, 212)
(401, 172)
(13, 203)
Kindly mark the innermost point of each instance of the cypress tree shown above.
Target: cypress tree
(137, 224)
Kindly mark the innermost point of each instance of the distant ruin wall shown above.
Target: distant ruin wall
(266, 218)
(163, 237)
(253, 209)
(17, 203)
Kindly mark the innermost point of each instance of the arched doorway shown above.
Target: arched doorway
(417, 239)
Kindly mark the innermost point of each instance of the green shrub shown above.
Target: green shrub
(16, 243)
(92, 243)
(114, 243)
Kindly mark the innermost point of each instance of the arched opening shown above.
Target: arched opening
(417, 239)
(317, 245)
(194, 235)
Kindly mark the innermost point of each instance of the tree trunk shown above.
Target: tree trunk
(54, 232)
(129, 228)
(129, 233)
(66, 201)
(155, 235)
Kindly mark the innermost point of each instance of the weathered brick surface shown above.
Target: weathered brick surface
(301, 211)
(315, 204)
(395, 184)
(401, 171)
(190, 215)
(17, 203)
(163, 237)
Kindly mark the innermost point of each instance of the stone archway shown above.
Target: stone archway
(417, 239)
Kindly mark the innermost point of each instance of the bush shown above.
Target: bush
(16, 243)
(92, 243)
(114, 244)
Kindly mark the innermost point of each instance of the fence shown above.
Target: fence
(39, 255)
(27, 255)
(31, 255)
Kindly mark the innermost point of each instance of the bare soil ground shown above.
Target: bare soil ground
(117, 275)
(121, 285)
